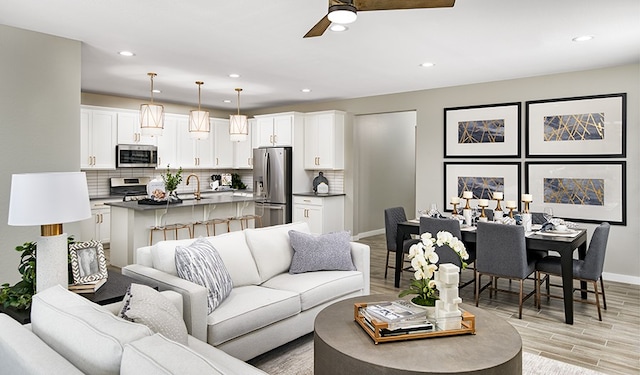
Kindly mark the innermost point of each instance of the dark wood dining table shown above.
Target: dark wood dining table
(565, 246)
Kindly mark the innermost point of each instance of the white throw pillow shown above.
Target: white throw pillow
(163, 255)
(145, 305)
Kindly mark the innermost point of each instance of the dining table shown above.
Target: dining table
(564, 245)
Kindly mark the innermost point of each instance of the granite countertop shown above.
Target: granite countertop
(312, 194)
(186, 202)
(180, 194)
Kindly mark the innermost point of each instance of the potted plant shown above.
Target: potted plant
(171, 182)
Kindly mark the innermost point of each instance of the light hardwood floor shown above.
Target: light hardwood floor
(611, 346)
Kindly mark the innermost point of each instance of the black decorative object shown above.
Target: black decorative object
(318, 180)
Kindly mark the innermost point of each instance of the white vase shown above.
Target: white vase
(430, 310)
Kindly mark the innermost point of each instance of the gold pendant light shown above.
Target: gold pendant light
(151, 115)
(238, 127)
(199, 120)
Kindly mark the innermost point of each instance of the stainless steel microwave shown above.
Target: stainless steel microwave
(136, 156)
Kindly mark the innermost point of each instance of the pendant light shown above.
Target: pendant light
(238, 127)
(151, 115)
(199, 120)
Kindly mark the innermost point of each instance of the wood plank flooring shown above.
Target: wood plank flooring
(611, 346)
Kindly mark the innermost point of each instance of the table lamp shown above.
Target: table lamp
(49, 200)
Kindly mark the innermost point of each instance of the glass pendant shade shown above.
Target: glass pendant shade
(151, 115)
(238, 128)
(199, 126)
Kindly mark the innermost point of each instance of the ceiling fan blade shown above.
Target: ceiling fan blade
(319, 27)
(364, 5)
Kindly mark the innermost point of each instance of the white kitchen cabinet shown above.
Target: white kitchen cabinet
(324, 140)
(98, 138)
(243, 151)
(167, 144)
(277, 129)
(129, 131)
(222, 147)
(192, 153)
(323, 214)
(98, 226)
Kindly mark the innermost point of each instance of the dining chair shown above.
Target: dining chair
(445, 253)
(501, 252)
(588, 269)
(393, 216)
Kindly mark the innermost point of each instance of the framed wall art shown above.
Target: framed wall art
(590, 192)
(487, 131)
(88, 263)
(483, 179)
(588, 126)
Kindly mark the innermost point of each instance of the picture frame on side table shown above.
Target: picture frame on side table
(487, 131)
(589, 192)
(483, 179)
(88, 263)
(586, 126)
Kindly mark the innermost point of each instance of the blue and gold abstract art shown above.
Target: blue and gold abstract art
(481, 131)
(579, 127)
(576, 191)
(482, 187)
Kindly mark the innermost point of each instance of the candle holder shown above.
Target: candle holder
(526, 207)
(483, 215)
(498, 208)
(511, 211)
(455, 210)
(467, 207)
(497, 213)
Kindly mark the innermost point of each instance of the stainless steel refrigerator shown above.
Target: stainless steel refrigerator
(272, 184)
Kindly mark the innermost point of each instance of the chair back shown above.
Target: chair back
(434, 225)
(593, 263)
(501, 250)
(393, 216)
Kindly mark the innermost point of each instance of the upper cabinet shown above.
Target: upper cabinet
(192, 153)
(243, 151)
(324, 140)
(167, 143)
(277, 129)
(98, 138)
(223, 147)
(129, 129)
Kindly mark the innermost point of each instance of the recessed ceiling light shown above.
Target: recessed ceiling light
(226, 101)
(338, 27)
(582, 38)
(156, 91)
(306, 90)
(427, 64)
(234, 75)
(126, 53)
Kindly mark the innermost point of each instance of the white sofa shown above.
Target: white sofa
(71, 335)
(268, 306)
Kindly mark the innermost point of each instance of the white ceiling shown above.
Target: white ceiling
(188, 40)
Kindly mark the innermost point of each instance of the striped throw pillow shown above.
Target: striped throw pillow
(200, 263)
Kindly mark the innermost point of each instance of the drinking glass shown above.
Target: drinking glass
(548, 214)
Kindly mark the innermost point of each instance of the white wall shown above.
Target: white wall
(39, 121)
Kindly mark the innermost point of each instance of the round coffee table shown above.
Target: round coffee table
(342, 347)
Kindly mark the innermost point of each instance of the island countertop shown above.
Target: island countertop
(188, 202)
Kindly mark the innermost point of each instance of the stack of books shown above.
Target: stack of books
(401, 316)
(90, 287)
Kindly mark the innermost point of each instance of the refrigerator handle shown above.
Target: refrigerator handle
(266, 176)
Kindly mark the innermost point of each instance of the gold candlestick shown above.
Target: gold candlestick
(455, 210)
(467, 207)
(526, 207)
(498, 208)
(482, 214)
(511, 212)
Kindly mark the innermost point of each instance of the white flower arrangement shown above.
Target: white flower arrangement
(423, 260)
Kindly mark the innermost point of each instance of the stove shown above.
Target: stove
(131, 188)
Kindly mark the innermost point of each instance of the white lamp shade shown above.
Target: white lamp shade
(48, 198)
(342, 14)
(151, 119)
(238, 128)
(199, 124)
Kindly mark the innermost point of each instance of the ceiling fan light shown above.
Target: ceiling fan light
(343, 13)
(337, 27)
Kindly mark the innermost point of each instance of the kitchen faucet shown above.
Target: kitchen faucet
(197, 193)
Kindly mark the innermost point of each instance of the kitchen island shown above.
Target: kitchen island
(131, 221)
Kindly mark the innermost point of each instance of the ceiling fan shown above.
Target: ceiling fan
(345, 11)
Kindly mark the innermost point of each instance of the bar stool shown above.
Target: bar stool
(169, 227)
(244, 220)
(213, 222)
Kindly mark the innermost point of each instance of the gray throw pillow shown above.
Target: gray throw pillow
(201, 263)
(326, 252)
(145, 305)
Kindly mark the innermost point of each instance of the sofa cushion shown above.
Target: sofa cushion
(201, 263)
(326, 252)
(88, 336)
(316, 288)
(271, 248)
(145, 305)
(249, 308)
(237, 257)
(163, 254)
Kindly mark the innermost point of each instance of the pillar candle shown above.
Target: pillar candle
(527, 198)
(455, 200)
(510, 204)
(498, 195)
(483, 202)
(467, 195)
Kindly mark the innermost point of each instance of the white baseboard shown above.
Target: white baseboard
(621, 278)
(369, 234)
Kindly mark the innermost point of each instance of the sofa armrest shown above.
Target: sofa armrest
(360, 254)
(194, 296)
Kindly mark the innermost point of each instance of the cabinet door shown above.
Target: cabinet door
(86, 159)
(167, 154)
(311, 135)
(129, 130)
(103, 139)
(223, 147)
(203, 152)
(243, 151)
(185, 145)
(283, 130)
(103, 226)
(265, 131)
(324, 141)
(310, 214)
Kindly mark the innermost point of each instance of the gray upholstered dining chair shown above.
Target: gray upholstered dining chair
(588, 269)
(501, 252)
(392, 217)
(445, 253)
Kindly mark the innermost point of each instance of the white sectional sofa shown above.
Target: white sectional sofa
(71, 335)
(268, 306)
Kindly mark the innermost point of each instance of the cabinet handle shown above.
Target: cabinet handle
(271, 139)
(217, 161)
(275, 139)
(249, 161)
(159, 160)
(307, 200)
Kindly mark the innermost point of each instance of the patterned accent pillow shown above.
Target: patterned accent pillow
(201, 263)
(145, 305)
(327, 252)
